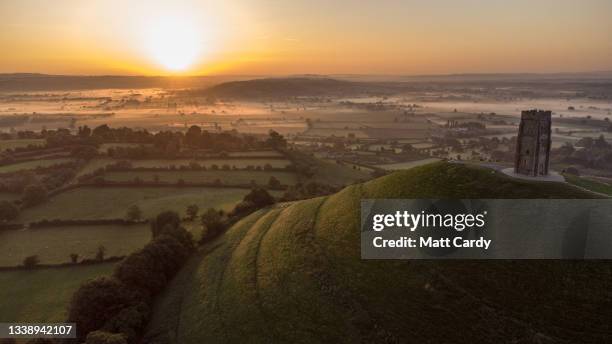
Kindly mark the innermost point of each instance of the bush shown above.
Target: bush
(274, 183)
(163, 220)
(151, 268)
(192, 211)
(259, 197)
(31, 261)
(130, 321)
(34, 194)
(243, 208)
(213, 224)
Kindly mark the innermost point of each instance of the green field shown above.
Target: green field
(53, 245)
(12, 144)
(227, 177)
(30, 165)
(293, 273)
(43, 295)
(589, 184)
(332, 173)
(112, 202)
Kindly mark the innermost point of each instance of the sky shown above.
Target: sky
(266, 37)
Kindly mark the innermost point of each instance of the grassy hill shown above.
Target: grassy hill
(281, 88)
(292, 273)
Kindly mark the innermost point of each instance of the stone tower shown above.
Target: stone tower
(533, 143)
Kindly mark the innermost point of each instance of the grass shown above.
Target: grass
(596, 186)
(332, 173)
(30, 165)
(227, 177)
(54, 245)
(18, 143)
(293, 273)
(407, 165)
(43, 295)
(113, 202)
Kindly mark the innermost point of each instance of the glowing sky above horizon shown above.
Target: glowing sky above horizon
(304, 36)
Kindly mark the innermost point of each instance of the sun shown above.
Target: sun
(174, 42)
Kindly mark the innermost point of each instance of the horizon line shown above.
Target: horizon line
(457, 74)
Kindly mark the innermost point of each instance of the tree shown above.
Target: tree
(74, 258)
(276, 140)
(213, 224)
(193, 136)
(34, 194)
(8, 211)
(134, 213)
(259, 197)
(100, 253)
(97, 301)
(150, 269)
(274, 183)
(164, 221)
(31, 261)
(192, 211)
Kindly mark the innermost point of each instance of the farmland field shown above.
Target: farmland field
(53, 245)
(227, 177)
(12, 144)
(332, 173)
(255, 154)
(30, 165)
(46, 291)
(113, 202)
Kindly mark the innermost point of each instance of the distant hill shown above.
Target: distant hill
(273, 88)
(292, 273)
(29, 82)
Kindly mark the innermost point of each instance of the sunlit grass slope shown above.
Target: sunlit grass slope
(292, 273)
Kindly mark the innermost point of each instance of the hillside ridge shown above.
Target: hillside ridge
(293, 273)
